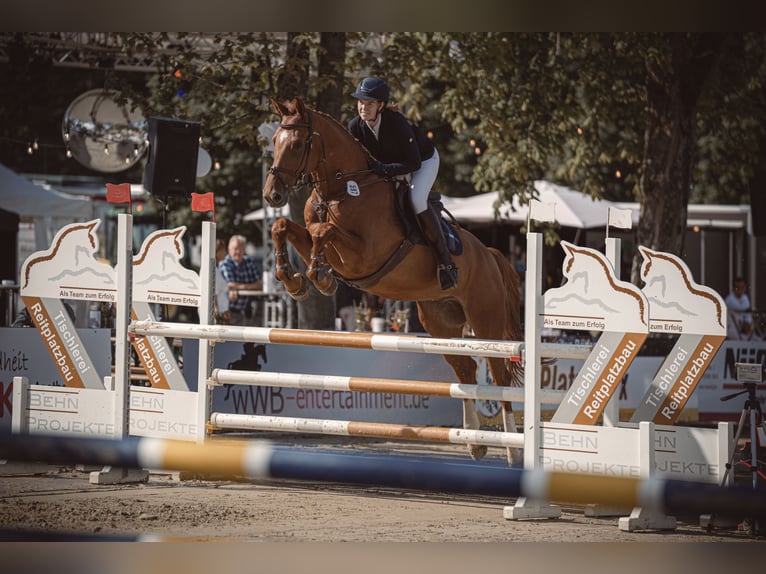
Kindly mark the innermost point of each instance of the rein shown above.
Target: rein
(322, 205)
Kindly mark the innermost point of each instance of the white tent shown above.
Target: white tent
(49, 210)
(572, 208)
(267, 213)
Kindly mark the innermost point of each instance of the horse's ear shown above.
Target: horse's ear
(300, 107)
(279, 108)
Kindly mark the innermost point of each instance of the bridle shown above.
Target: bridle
(300, 175)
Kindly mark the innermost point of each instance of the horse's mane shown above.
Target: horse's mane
(345, 131)
(294, 110)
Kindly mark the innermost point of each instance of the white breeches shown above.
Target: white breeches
(422, 181)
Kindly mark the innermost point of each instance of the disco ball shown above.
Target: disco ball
(101, 134)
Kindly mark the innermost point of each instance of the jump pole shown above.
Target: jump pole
(511, 350)
(220, 421)
(255, 459)
(370, 385)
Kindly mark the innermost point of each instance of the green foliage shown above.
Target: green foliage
(572, 108)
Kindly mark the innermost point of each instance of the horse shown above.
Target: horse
(353, 232)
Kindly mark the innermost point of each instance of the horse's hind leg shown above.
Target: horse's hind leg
(494, 316)
(283, 231)
(465, 369)
(445, 319)
(502, 374)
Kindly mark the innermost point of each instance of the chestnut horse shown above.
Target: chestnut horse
(353, 231)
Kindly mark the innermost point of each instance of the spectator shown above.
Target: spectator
(24, 320)
(739, 321)
(221, 286)
(242, 274)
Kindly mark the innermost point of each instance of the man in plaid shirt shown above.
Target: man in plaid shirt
(242, 274)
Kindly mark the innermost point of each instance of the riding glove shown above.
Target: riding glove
(378, 168)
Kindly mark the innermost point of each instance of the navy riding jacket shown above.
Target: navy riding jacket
(400, 145)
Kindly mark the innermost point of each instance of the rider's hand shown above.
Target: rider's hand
(377, 167)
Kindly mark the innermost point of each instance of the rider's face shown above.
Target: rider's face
(368, 109)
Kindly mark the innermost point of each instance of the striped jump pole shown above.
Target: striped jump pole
(221, 421)
(369, 385)
(511, 350)
(262, 460)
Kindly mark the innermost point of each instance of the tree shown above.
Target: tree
(622, 116)
(226, 83)
(317, 311)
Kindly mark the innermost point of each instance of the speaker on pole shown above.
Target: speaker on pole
(171, 167)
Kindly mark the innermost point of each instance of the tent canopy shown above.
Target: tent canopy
(267, 212)
(49, 210)
(28, 200)
(572, 208)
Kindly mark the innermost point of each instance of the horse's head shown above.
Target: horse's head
(294, 157)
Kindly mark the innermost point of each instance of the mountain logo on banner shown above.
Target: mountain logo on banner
(678, 305)
(69, 269)
(159, 276)
(594, 299)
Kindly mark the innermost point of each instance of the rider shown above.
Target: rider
(400, 148)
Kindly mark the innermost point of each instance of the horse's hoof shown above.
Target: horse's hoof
(300, 295)
(302, 292)
(516, 456)
(328, 289)
(477, 451)
(323, 279)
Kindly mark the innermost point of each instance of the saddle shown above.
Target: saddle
(412, 234)
(410, 222)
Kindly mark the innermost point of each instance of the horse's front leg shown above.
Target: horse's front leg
(319, 271)
(283, 231)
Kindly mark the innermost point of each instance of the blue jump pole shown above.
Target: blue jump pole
(257, 459)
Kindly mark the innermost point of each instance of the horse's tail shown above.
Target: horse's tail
(514, 330)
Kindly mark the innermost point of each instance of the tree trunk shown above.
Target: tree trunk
(294, 77)
(332, 51)
(669, 140)
(317, 311)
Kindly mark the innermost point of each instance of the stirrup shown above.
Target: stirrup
(447, 277)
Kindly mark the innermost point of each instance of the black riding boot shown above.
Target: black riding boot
(431, 226)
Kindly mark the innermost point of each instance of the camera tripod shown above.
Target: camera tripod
(751, 411)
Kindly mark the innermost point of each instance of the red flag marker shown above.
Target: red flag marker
(118, 193)
(203, 202)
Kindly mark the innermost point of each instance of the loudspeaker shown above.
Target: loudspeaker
(171, 167)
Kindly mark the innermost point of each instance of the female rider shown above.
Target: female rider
(401, 148)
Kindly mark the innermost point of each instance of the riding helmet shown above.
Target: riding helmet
(372, 88)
